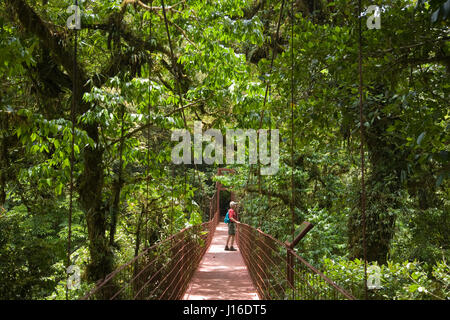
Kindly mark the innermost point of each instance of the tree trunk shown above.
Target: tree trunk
(3, 158)
(117, 186)
(90, 190)
(382, 187)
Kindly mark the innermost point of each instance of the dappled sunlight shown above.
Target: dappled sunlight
(221, 275)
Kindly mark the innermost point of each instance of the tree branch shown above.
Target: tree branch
(139, 129)
(151, 8)
(283, 197)
(52, 40)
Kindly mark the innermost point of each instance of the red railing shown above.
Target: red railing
(163, 271)
(279, 273)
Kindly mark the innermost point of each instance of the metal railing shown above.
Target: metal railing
(279, 273)
(163, 271)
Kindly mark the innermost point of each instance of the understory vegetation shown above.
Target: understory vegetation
(126, 87)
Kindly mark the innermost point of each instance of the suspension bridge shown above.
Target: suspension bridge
(193, 265)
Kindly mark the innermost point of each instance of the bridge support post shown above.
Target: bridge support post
(304, 229)
(290, 271)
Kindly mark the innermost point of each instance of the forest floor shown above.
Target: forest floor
(221, 275)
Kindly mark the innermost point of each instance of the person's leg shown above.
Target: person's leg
(232, 241)
(233, 233)
(226, 245)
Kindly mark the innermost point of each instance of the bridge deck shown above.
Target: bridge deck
(221, 275)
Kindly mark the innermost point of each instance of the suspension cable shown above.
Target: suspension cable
(177, 81)
(266, 95)
(292, 121)
(150, 64)
(72, 148)
(271, 64)
(174, 67)
(175, 74)
(361, 131)
(269, 187)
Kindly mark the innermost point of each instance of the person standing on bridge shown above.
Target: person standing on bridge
(232, 216)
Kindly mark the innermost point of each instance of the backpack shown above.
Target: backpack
(227, 219)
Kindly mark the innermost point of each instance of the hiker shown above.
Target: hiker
(231, 226)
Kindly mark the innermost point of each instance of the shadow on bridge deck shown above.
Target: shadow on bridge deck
(221, 275)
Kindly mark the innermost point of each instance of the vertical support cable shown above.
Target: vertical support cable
(148, 129)
(116, 197)
(292, 120)
(185, 184)
(180, 101)
(266, 94)
(361, 131)
(177, 82)
(269, 188)
(174, 63)
(72, 148)
(172, 201)
(289, 261)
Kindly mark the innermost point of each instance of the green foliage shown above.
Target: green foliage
(129, 103)
(422, 235)
(327, 238)
(29, 246)
(399, 280)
